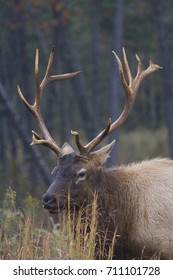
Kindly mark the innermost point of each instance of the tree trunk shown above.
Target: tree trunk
(96, 51)
(115, 81)
(163, 40)
(71, 60)
(43, 169)
(4, 142)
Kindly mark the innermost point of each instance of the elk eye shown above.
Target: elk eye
(81, 175)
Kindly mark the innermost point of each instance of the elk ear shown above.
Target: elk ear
(67, 149)
(103, 154)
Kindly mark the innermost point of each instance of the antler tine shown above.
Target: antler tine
(130, 89)
(38, 89)
(49, 78)
(129, 74)
(85, 150)
(35, 108)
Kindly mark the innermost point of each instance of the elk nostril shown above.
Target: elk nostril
(49, 202)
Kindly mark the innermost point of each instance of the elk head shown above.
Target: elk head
(79, 173)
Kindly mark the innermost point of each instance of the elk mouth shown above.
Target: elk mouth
(56, 210)
(54, 205)
(50, 205)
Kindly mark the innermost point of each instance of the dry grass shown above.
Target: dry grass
(73, 238)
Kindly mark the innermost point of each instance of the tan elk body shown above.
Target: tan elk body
(142, 199)
(135, 201)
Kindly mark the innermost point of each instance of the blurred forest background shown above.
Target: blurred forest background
(84, 34)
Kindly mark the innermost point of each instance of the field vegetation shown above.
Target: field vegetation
(24, 236)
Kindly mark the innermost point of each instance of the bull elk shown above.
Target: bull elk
(135, 201)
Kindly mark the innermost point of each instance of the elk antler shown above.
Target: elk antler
(35, 108)
(130, 91)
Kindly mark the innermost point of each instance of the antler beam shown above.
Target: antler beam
(130, 89)
(35, 108)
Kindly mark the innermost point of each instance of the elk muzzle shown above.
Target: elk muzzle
(55, 199)
(49, 202)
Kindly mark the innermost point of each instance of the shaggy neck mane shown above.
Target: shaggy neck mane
(113, 192)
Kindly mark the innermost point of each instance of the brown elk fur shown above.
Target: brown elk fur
(135, 201)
